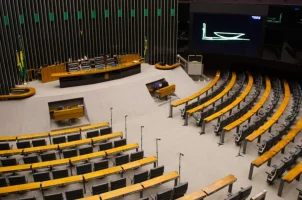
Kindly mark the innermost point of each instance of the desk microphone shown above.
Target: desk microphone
(182, 154)
(158, 139)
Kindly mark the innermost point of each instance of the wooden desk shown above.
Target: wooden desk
(121, 192)
(62, 181)
(94, 126)
(121, 149)
(69, 79)
(294, 173)
(139, 163)
(69, 113)
(28, 92)
(65, 131)
(197, 195)
(201, 92)
(220, 184)
(274, 118)
(95, 197)
(102, 173)
(128, 58)
(160, 180)
(234, 103)
(32, 136)
(20, 188)
(159, 66)
(263, 158)
(166, 91)
(8, 138)
(46, 72)
(216, 98)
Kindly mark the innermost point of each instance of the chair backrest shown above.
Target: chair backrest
(4, 146)
(39, 143)
(8, 162)
(3, 182)
(59, 139)
(103, 164)
(16, 180)
(105, 146)
(245, 192)
(74, 194)
(60, 173)
(144, 198)
(105, 131)
(120, 183)
(68, 153)
(48, 156)
(180, 190)
(41, 176)
(166, 195)
(136, 156)
(74, 137)
(120, 160)
(85, 150)
(30, 159)
(119, 143)
(92, 134)
(158, 171)
(140, 177)
(28, 198)
(100, 188)
(23, 144)
(84, 168)
(235, 196)
(57, 196)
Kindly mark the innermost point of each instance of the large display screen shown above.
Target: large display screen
(228, 34)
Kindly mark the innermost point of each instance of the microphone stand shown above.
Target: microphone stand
(142, 137)
(157, 139)
(126, 126)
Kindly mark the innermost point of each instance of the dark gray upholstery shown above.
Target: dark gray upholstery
(140, 177)
(74, 194)
(100, 188)
(16, 180)
(117, 184)
(103, 164)
(158, 171)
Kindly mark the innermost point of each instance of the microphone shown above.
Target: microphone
(111, 108)
(142, 127)
(126, 115)
(158, 139)
(182, 154)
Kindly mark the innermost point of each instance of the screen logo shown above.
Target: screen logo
(256, 17)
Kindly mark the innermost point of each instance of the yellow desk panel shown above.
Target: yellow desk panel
(62, 181)
(15, 168)
(219, 184)
(50, 163)
(33, 136)
(41, 148)
(69, 113)
(197, 195)
(214, 81)
(121, 192)
(11, 152)
(166, 91)
(106, 137)
(19, 188)
(104, 172)
(94, 126)
(217, 97)
(65, 131)
(95, 197)
(121, 149)
(293, 173)
(160, 180)
(159, 66)
(254, 109)
(263, 158)
(7, 138)
(88, 156)
(146, 161)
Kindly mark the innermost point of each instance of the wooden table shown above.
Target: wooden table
(46, 72)
(69, 113)
(220, 184)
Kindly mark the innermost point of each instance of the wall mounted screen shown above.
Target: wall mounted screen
(226, 33)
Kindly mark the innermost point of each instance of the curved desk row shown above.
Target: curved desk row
(86, 77)
(26, 92)
(53, 133)
(196, 95)
(261, 130)
(267, 156)
(213, 100)
(139, 187)
(70, 161)
(254, 110)
(159, 66)
(61, 146)
(78, 178)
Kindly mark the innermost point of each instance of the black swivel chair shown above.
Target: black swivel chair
(103, 164)
(105, 146)
(23, 144)
(16, 180)
(74, 194)
(180, 190)
(120, 160)
(119, 143)
(8, 162)
(3, 182)
(117, 184)
(136, 156)
(84, 168)
(158, 171)
(48, 156)
(73, 137)
(28, 198)
(30, 159)
(5, 146)
(39, 143)
(105, 131)
(57, 196)
(68, 153)
(92, 134)
(166, 195)
(100, 188)
(58, 140)
(144, 198)
(85, 149)
(60, 173)
(41, 176)
(140, 177)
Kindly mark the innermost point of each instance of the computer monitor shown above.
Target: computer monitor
(120, 183)
(74, 137)
(68, 153)
(57, 196)
(60, 173)
(166, 195)
(119, 143)
(41, 176)
(180, 190)
(120, 160)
